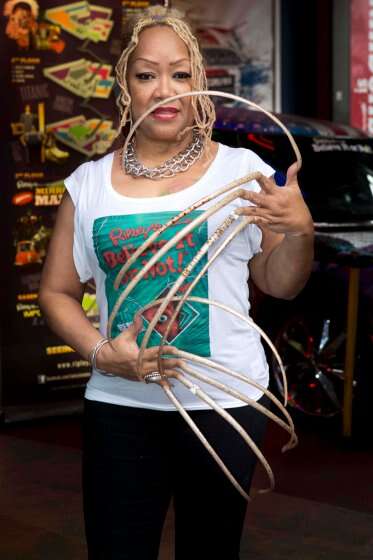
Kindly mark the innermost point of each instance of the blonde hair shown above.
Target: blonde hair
(203, 108)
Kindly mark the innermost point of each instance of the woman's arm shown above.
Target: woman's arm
(285, 263)
(60, 299)
(61, 291)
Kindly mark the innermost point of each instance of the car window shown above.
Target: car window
(336, 176)
(337, 179)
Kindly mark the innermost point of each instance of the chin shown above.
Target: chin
(166, 133)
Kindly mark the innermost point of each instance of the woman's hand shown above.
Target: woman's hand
(120, 356)
(280, 209)
(284, 264)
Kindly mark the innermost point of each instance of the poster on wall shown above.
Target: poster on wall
(58, 63)
(238, 45)
(361, 72)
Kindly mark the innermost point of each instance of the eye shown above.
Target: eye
(163, 319)
(182, 75)
(143, 76)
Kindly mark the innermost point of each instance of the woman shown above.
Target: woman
(138, 452)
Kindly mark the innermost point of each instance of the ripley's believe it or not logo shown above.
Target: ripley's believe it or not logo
(116, 238)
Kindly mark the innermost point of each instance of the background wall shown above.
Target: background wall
(239, 40)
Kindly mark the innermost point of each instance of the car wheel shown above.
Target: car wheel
(312, 350)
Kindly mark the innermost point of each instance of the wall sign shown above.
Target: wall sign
(361, 69)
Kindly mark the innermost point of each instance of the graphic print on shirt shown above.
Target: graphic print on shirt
(116, 238)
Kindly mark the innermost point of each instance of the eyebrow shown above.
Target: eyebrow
(154, 63)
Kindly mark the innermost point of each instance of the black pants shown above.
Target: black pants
(135, 460)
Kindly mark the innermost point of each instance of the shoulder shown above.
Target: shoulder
(240, 154)
(87, 176)
(89, 168)
(244, 160)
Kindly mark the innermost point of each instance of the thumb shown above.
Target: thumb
(291, 174)
(135, 328)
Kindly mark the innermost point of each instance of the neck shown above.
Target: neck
(154, 152)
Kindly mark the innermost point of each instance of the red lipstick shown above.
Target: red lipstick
(165, 113)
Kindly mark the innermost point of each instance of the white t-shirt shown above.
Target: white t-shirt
(108, 228)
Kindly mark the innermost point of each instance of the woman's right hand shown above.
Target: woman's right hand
(120, 355)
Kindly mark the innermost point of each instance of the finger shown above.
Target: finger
(164, 379)
(267, 184)
(168, 363)
(258, 221)
(254, 211)
(152, 352)
(258, 199)
(255, 218)
(135, 328)
(170, 350)
(291, 174)
(171, 372)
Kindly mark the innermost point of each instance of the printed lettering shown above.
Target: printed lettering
(161, 268)
(170, 264)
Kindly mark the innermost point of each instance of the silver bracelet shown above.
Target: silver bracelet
(92, 357)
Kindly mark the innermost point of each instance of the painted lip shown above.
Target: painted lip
(165, 113)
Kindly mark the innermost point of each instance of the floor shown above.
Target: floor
(322, 507)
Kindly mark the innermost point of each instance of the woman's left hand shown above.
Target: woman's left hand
(280, 209)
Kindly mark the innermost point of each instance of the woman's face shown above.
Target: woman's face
(158, 68)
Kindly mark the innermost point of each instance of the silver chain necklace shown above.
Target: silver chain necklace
(177, 164)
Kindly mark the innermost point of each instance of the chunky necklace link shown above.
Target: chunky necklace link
(177, 164)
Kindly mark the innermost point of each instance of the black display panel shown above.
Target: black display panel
(59, 111)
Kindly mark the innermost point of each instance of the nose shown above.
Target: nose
(164, 87)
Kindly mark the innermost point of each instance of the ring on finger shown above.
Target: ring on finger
(153, 377)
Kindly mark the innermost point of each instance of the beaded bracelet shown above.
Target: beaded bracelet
(92, 357)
